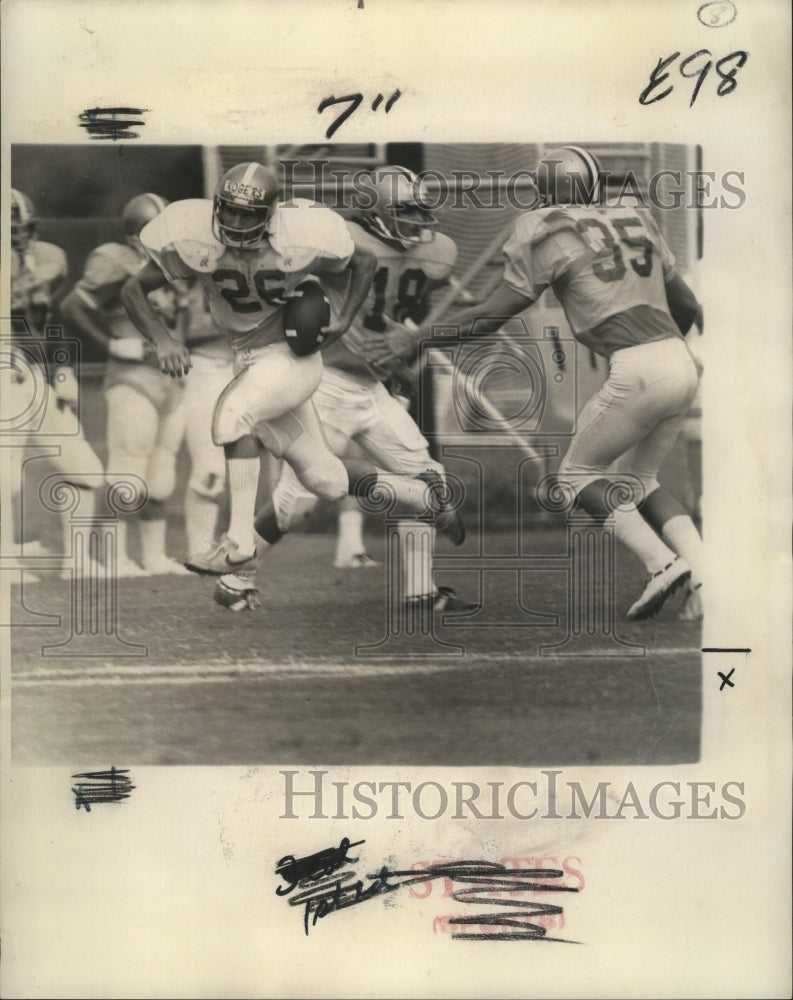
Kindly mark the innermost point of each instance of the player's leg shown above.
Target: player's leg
(350, 551)
(256, 409)
(663, 512)
(132, 428)
(161, 479)
(392, 440)
(646, 385)
(206, 487)
(79, 467)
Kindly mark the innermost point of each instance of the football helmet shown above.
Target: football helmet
(569, 175)
(243, 205)
(138, 212)
(401, 216)
(23, 221)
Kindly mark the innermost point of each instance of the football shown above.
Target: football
(304, 316)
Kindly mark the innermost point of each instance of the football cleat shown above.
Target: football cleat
(127, 567)
(164, 566)
(222, 558)
(361, 560)
(90, 570)
(692, 604)
(659, 586)
(446, 518)
(237, 592)
(443, 601)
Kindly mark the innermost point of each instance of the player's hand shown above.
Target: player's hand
(126, 349)
(333, 331)
(386, 350)
(403, 381)
(174, 358)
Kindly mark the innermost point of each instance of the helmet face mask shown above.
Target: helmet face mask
(243, 206)
(569, 175)
(23, 221)
(401, 217)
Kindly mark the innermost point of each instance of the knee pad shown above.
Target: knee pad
(325, 476)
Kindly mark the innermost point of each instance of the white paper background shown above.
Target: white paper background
(172, 894)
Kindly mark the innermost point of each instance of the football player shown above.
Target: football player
(250, 252)
(615, 277)
(38, 277)
(145, 415)
(352, 402)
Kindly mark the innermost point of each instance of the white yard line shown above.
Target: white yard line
(224, 672)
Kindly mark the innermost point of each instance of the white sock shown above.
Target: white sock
(243, 483)
(86, 507)
(414, 493)
(416, 545)
(152, 541)
(121, 540)
(200, 521)
(632, 530)
(681, 534)
(349, 534)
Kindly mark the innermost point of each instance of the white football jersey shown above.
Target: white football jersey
(607, 267)
(397, 293)
(248, 288)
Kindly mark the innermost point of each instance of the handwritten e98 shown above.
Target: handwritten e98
(696, 66)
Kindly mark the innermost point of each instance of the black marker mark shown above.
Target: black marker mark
(726, 72)
(725, 649)
(392, 100)
(323, 893)
(315, 866)
(101, 786)
(355, 101)
(725, 679)
(111, 123)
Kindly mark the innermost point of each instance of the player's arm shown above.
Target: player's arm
(173, 356)
(85, 315)
(400, 345)
(361, 268)
(683, 304)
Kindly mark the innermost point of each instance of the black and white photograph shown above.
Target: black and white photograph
(395, 446)
(484, 512)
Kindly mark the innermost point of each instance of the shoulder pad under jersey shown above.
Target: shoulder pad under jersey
(184, 228)
(50, 260)
(302, 231)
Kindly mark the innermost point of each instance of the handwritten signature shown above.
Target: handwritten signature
(324, 890)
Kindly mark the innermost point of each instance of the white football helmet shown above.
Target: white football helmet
(23, 221)
(569, 175)
(138, 212)
(400, 216)
(244, 200)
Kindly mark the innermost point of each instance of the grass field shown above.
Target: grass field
(285, 684)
